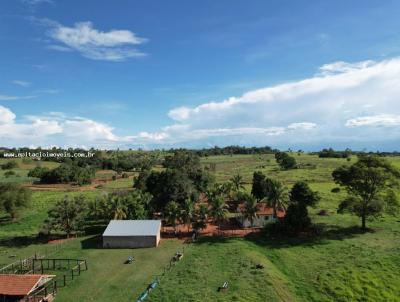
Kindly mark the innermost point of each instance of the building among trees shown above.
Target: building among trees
(263, 216)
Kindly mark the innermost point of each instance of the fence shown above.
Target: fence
(166, 269)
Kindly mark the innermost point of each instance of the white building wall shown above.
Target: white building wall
(260, 221)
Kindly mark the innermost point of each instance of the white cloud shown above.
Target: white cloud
(55, 128)
(22, 83)
(384, 120)
(6, 115)
(48, 91)
(304, 126)
(36, 2)
(340, 67)
(4, 97)
(92, 130)
(114, 45)
(330, 104)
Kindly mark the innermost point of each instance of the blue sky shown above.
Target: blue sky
(299, 74)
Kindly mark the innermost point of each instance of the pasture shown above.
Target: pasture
(341, 264)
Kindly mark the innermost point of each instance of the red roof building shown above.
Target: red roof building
(265, 214)
(21, 285)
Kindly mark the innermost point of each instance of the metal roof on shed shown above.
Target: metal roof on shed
(133, 228)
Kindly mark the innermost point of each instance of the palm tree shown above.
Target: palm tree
(187, 212)
(118, 208)
(237, 182)
(219, 210)
(172, 213)
(277, 197)
(201, 216)
(250, 209)
(202, 212)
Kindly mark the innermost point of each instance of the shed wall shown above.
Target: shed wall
(130, 241)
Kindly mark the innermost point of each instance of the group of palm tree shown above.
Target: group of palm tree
(217, 200)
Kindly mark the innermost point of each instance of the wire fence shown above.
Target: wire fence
(168, 267)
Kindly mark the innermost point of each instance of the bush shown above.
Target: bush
(65, 173)
(285, 161)
(13, 197)
(114, 177)
(9, 174)
(125, 175)
(335, 190)
(9, 165)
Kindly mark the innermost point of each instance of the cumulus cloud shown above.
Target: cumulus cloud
(113, 45)
(327, 108)
(55, 128)
(6, 115)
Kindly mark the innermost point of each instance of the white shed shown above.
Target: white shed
(132, 234)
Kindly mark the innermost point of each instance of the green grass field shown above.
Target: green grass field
(340, 265)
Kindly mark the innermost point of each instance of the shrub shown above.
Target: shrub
(9, 165)
(285, 161)
(9, 174)
(335, 190)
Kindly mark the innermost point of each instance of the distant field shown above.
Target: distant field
(340, 265)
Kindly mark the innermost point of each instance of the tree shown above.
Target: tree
(170, 185)
(258, 189)
(200, 217)
(219, 209)
(277, 195)
(366, 182)
(237, 182)
(13, 197)
(140, 181)
(38, 172)
(189, 163)
(96, 208)
(187, 212)
(137, 204)
(64, 173)
(118, 208)
(67, 215)
(120, 205)
(250, 209)
(296, 218)
(285, 161)
(172, 213)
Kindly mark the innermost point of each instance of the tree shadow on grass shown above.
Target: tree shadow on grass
(22, 241)
(25, 241)
(326, 234)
